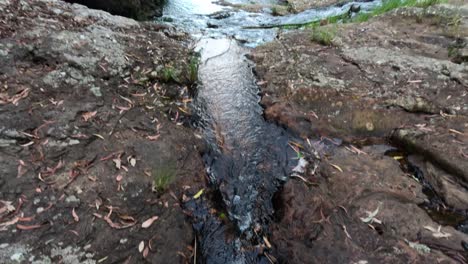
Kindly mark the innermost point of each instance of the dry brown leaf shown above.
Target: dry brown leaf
(119, 178)
(7, 207)
(88, 115)
(149, 222)
(127, 218)
(25, 227)
(5, 98)
(145, 252)
(152, 138)
(8, 223)
(75, 216)
(117, 226)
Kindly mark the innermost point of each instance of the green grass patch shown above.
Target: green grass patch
(326, 35)
(169, 74)
(323, 35)
(388, 5)
(193, 68)
(163, 177)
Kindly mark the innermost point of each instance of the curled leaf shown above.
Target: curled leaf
(75, 216)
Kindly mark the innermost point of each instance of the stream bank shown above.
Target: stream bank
(398, 79)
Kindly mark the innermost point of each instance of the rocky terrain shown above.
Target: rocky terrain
(95, 151)
(400, 79)
(98, 160)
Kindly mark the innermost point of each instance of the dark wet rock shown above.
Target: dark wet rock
(137, 9)
(442, 145)
(366, 212)
(446, 186)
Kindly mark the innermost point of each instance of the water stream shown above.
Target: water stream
(248, 158)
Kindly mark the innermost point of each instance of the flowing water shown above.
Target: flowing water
(248, 158)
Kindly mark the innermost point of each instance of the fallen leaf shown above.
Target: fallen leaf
(119, 178)
(437, 233)
(74, 232)
(24, 227)
(149, 222)
(117, 226)
(145, 252)
(133, 162)
(456, 131)
(336, 167)
(126, 99)
(7, 207)
(301, 166)
(8, 223)
(118, 163)
(75, 216)
(346, 231)
(371, 216)
(152, 138)
(88, 115)
(198, 194)
(103, 259)
(141, 246)
(27, 144)
(99, 136)
(127, 218)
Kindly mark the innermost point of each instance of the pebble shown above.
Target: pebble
(123, 241)
(4, 245)
(40, 210)
(72, 199)
(18, 257)
(96, 91)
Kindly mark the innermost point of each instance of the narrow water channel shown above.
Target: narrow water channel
(248, 158)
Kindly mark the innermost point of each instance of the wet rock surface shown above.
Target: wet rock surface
(93, 116)
(391, 80)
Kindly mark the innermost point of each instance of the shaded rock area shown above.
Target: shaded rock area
(137, 9)
(94, 140)
(398, 79)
